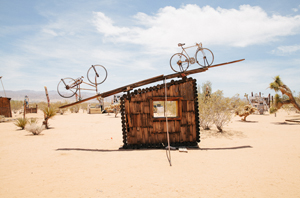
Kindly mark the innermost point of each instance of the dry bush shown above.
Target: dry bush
(114, 108)
(49, 112)
(2, 118)
(34, 128)
(214, 108)
(223, 109)
(205, 113)
(16, 105)
(246, 111)
(42, 105)
(58, 104)
(21, 122)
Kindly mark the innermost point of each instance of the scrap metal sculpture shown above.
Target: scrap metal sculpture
(179, 62)
(129, 87)
(68, 87)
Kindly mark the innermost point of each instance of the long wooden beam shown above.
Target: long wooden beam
(148, 81)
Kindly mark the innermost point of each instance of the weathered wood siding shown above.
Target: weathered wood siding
(5, 108)
(142, 130)
(32, 109)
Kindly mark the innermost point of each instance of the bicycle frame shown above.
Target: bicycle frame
(78, 82)
(198, 45)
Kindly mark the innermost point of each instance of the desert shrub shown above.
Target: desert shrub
(49, 112)
(113, 108)
(222, 109)
(42, 105)
(16, 105)
(32, 120)
(84, 106)
(21, 122)
(205, 113)
(34, 128)
(214, 108)
(58, 104)
(246, 111)
(2, 118)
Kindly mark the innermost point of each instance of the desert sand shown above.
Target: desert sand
(80, 157)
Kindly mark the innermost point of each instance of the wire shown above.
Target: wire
(168, 136)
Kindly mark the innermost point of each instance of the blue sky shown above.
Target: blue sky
(44, 41)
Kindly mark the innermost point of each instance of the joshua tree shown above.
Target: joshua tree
(49, 112)
(287, 96)
(248, 109)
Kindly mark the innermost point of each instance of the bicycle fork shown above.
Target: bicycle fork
(67, 86)
(95, 71)
(204, 58)
(179, 63)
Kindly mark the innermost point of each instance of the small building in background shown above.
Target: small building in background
(5, 108)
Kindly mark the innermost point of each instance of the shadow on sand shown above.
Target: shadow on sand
(148, 149)
(286, 123)
(247, 121)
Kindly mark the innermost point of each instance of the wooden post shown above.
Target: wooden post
(48, 100)
(24, 109)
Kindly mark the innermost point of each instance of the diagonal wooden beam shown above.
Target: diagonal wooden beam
(149, 81)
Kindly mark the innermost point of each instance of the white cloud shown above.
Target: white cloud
(286, 50)
(241, 27)
(295, 9)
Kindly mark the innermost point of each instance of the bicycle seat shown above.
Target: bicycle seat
(181, 44)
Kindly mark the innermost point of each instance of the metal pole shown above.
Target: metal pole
(168, 136)
(2, 86)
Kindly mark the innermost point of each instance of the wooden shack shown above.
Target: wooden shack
(5, 108)
(144, 112)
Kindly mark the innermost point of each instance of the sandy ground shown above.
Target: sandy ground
(80, 157)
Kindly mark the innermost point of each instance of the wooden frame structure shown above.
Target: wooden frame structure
(32, 109)
(142, 130)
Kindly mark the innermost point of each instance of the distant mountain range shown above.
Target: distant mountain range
(38, 96)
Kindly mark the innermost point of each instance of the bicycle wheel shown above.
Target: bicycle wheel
(97, 74)
(204, 57)
(67, 87)
(179, 62)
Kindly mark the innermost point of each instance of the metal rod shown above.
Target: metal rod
(88, 84)
(87, 89)
(166, 115)
(2, 86)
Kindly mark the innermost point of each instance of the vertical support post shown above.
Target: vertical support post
(168, 136)
(24, 109)
(2, 86)
(48, 100)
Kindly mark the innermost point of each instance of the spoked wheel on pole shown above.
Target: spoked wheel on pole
(97, 74)
(67, 87)
(204, 57)
(179, 62)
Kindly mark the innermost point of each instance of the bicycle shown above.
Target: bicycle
(180, 62)
(68, 87)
